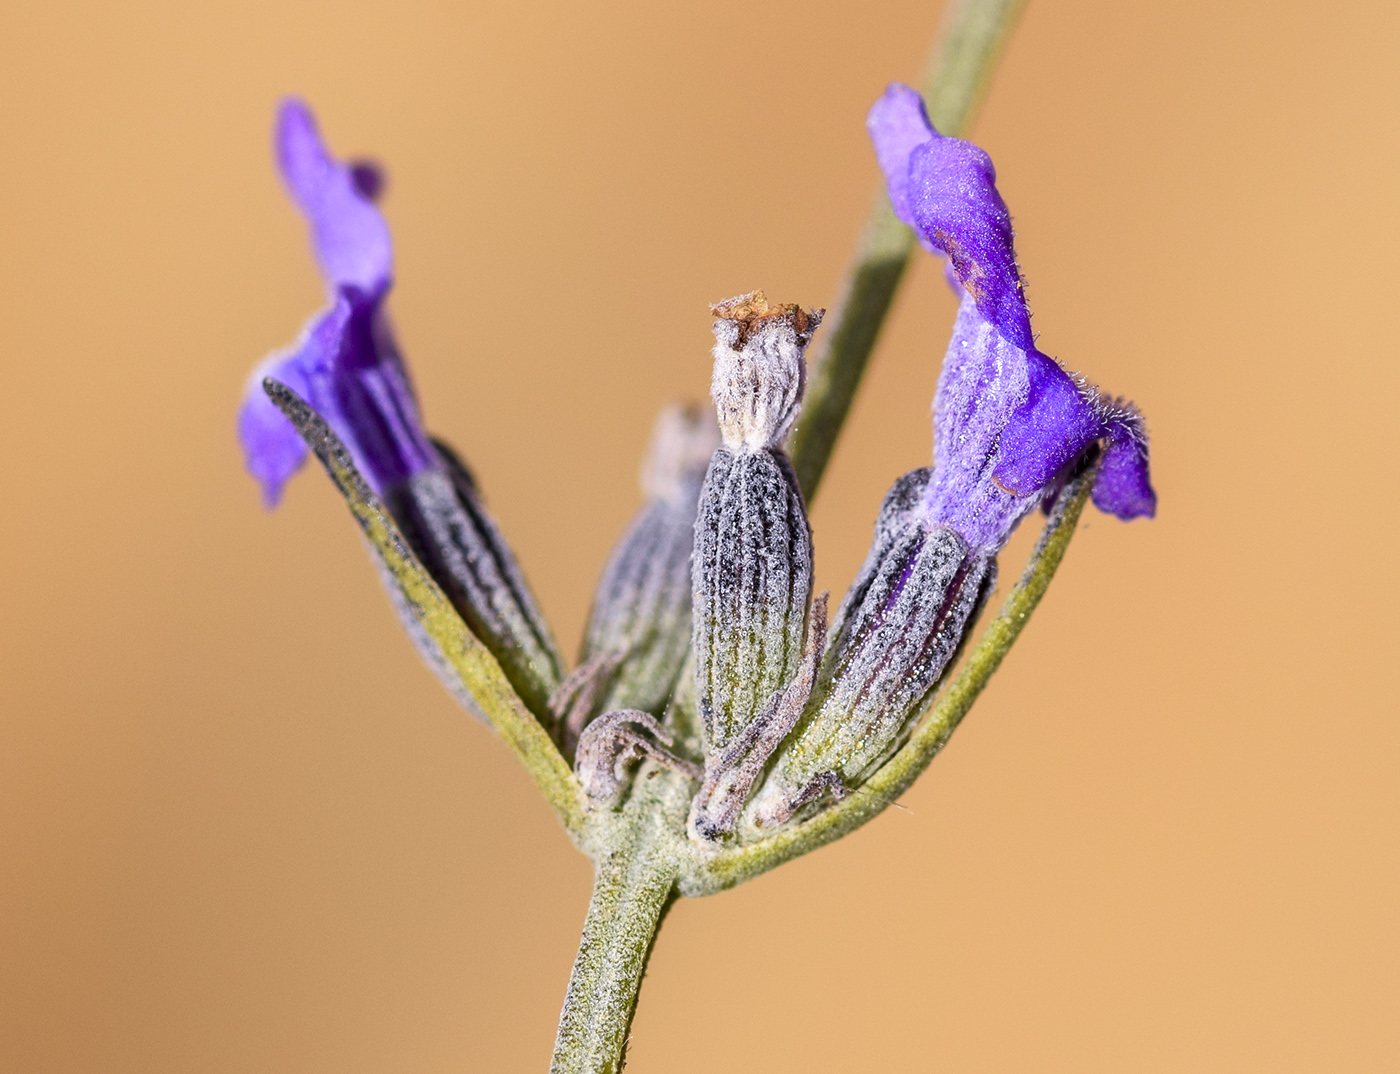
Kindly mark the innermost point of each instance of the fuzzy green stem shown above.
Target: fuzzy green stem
(634, 884)
(468, 658)
(735, 866)
(974, 32)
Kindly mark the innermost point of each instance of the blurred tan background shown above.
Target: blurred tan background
(241, 829)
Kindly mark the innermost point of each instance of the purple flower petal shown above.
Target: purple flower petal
(953, 197)
(1008, 419)
(348, 232)
(897, 124)
(983, 383)
(1124, 486)
(345, 364)
(272, 449)
(1055, 424)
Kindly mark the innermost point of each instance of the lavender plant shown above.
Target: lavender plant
(714, 726)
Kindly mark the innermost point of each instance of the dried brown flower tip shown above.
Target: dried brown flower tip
(749, 311)
(760, 368)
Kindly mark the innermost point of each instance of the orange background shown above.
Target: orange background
(241, 829)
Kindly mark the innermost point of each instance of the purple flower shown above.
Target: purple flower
(1008, 421)
(345, 364)
(347, 367)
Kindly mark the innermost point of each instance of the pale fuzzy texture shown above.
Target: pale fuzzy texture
(682, 441)
(900, 626)
(730, 774)
(760, 370)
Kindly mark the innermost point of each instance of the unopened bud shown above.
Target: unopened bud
(752, 566)
(899, 628)
(639, 628)
(752, 582)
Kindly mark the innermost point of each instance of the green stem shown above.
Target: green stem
(974, 32)
(634, 884)
(735, 866)
(433, 613)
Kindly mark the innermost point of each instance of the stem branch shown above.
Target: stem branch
(974, 32)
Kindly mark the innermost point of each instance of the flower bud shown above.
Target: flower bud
(639, 628)
(752, 565)
(450, 531)
(899, 628)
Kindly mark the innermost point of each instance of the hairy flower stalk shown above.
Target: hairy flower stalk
(713, 728)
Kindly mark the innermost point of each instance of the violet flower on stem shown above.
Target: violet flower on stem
(714, 727)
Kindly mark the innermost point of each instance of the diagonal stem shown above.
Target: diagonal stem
(974, 32)
(433, 613)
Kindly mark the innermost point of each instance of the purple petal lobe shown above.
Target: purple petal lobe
(1055, 424)
(1124, 487)
(272, 449)
(897, 123)
(368, 178)
(956, 208)
(348, 232)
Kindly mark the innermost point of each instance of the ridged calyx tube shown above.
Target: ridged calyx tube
(442, 517)
(752, 564)
(900, 626)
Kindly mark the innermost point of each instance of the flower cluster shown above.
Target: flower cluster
(706, 651)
